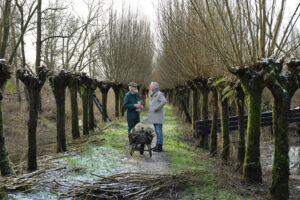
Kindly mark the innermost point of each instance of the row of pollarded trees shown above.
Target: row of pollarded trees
(76, 82)
(206, 40)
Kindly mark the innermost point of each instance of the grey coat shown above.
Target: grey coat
(157, 103)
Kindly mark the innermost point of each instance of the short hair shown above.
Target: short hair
(155, 84)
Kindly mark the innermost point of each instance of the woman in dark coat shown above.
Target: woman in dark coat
(132, 105)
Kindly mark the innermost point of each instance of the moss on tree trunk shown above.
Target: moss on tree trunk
(252, 167)
(5, 164)
(122, 95)
(225, 152)
(85, 109)
(283, 87)
(74, 111)
(279, 188)
(214, 126)
(240, 104)
(253, 85)
(92, 124)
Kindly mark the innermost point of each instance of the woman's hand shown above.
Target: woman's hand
(138, 106)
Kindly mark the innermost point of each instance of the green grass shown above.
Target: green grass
(186, 157)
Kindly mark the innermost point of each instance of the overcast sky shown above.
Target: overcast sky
(146, 8)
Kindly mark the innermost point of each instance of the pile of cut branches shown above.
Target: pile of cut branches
(24, 183)
(125, 186)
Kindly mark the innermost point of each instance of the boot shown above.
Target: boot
(159, 148)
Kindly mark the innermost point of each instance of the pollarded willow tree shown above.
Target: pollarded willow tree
(5, 164)
(117, 90)
(91, 90)
(59, 83)
(215, 111)
(84, 91)
(283, 86)
(234, 89)
(74, 87)
(34, 84)
(242, 33)
(224, 101)
(104, 88)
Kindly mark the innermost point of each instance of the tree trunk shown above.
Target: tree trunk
(279, 188)
(225, 129)
(252, 167)
(32, 125)
(253, 85)
(92, 124)
(117, 103)
(60, 119)
(205, 104)
(196, 107)
(39, 43)
(6, 27)
(117, 90)
(203, 142)
(38, 34)
(170, 96)
(33, 87)
(240, 104)
(74, 110)
(122, 95)
(104, 105)
(85, 110)
(183, 98)
(104, 87)
(5, 164)
(214, 125)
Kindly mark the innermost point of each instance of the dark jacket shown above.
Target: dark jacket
(132, 116)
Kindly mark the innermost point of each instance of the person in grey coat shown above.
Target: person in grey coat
(157, 113)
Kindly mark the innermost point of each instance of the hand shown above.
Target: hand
(138, 106)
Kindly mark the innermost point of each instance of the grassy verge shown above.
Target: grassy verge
(185, 156)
